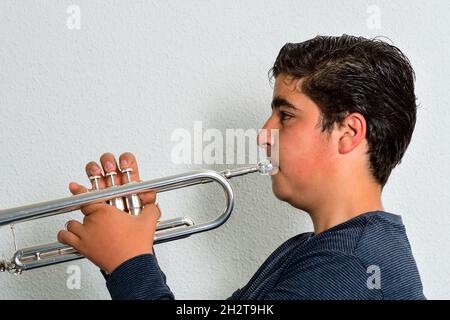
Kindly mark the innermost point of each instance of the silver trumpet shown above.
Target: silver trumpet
(53, 253)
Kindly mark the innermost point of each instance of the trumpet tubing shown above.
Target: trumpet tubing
(178, 228)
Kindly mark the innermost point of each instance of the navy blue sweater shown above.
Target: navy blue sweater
(367, 257)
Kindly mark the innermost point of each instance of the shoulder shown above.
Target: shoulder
(348, 255)
(376, 238)
(327, 274)
(367, 232)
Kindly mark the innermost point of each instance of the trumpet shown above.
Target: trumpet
(169, 230)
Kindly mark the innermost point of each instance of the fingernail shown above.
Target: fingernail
(123, 163)
(109, 166)
(95, 170)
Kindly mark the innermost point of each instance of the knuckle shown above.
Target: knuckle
(157, 210)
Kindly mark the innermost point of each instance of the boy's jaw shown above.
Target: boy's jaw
(281, 188)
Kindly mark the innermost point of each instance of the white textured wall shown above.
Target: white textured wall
(137, 70)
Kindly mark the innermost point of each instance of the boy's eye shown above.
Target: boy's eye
(284, 116)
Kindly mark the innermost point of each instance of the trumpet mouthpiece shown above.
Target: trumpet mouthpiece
(266, 167)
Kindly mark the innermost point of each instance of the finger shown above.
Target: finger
(98, 207)
(92, 170)
(76, 189)
(128, 160)
(75, 227)
(109, 164)
(151, 212)
(148, 197)
(67, 237)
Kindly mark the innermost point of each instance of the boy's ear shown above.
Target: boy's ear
(351, 132)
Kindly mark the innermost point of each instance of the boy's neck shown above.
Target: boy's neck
(345, 203)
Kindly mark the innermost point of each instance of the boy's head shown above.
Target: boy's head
(353, 117)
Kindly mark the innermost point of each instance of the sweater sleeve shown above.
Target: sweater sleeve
(139, 278)
(325, 276)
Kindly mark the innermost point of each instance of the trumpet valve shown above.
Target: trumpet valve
(116, 202)
(133, 201)
(94, 181)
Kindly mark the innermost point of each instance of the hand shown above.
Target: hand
(108, 236)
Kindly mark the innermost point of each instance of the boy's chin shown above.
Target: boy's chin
(280, 191)
(283, 193)
(288, 198)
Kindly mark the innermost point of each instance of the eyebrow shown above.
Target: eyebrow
(278, 102)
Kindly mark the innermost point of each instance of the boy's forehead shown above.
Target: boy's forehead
(288, 92)
(288, 87)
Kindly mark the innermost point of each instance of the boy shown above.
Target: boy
(345, 111)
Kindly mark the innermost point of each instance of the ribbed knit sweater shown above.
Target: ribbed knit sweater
(367, 257)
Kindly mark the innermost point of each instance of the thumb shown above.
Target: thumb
(148, 197)
(75, 188)
(87, 209)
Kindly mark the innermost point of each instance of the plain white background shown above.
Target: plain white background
(137, 70)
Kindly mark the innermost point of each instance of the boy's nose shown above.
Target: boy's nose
(264, 138)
